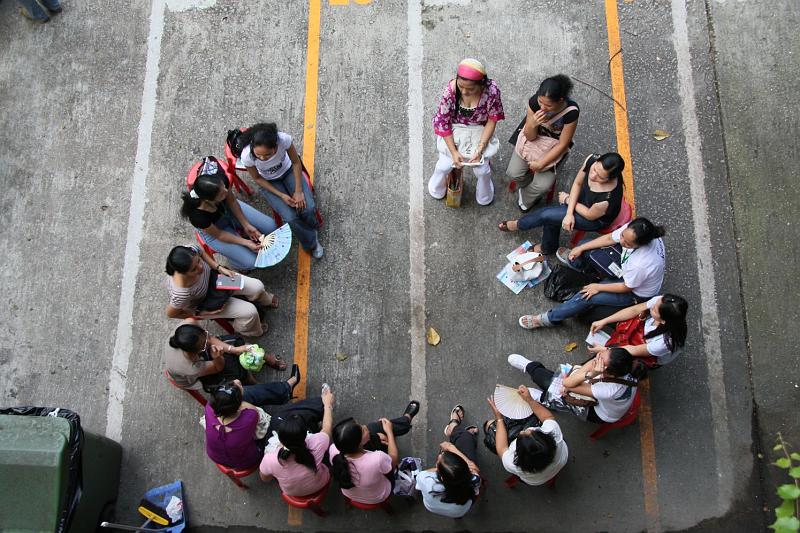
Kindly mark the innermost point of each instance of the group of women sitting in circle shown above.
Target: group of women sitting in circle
(310, 448)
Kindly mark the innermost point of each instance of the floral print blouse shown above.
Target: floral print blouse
(490, 107)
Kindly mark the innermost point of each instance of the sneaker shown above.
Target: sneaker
(318, 251)
(519, 362)
(562, 254)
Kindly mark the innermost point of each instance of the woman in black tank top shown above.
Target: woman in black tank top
(594, 201)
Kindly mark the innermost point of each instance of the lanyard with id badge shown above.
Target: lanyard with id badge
(608, 261)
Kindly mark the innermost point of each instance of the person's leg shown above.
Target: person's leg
(305, 234)
(261, 394)
(310, 410)
(244, 315)
(578, 304)
(309, 214)
(263, 223)
(518, 170)
(32, 10)
(400, 426)
(540, 217)
(240, 257)
(484, 190)
(538, 187)
(437, 184)
(466, 441)
(540, 375)
(255, 292)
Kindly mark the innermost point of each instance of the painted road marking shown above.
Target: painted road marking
(416, 225)
(295, 516)
(646, 433)
(705, 264)
(123, 344)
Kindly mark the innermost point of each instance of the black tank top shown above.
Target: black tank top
(589, 197)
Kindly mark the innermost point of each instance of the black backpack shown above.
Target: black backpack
(236, 141)
(563, 283)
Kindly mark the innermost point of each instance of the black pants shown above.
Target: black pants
(542, 377)
(310, 410)
(400, 426)
(466, 442)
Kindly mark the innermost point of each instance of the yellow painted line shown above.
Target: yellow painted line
(295, 516)
(646, 434)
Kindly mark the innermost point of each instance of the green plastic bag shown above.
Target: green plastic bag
(252, 360)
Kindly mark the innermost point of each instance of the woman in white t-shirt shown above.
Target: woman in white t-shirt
(663, 323)
(272, 161)
(610, 378)
(538, 454)
(642, 259)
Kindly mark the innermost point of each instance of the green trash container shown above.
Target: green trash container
(55, 477)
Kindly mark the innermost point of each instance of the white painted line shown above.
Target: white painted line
(416, 222)
(123, 345)
(705, 264)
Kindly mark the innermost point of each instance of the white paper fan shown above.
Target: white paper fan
(510, 403)
(274, 247)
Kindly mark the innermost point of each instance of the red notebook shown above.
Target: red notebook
(230, 283)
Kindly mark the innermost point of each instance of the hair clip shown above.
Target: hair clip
(194, 194)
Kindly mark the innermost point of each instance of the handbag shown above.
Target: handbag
(405, 480)
(539, 147)
(466, 139)
(455, 187)
(215, 298)
(564, 282)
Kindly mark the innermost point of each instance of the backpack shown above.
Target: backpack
(564, 282)
(236, 141)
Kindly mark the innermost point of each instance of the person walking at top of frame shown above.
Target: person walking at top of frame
(465, 120)
(272, 161)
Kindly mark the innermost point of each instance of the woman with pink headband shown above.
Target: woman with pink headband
(465, 121)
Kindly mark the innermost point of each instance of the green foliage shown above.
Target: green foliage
(786, 513)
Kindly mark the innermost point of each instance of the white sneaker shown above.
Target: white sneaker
(519, 362)
(318, 251)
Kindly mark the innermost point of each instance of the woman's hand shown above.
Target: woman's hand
(288, 200)
(476, 157)
(386, 424)
(539, 117)
(563, 197)
(496, 412)
(525, 393)
(252, 246)
(327, 398)
(458, 159)
(575, 253)
(598, 366)
(216, 350)
(299, 199)
(252, 232)
(446, 446)
(568, 222)
(204, 314)
(225, 271)
(535, 166)
(590, 290)
(597, 348)
(596, 326)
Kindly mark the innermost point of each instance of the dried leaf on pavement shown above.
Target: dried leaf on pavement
(341, 356)
(432, 337)
(660, 135)
(571, 346)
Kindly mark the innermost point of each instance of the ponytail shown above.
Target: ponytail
(347, 439)
(292, 434)
(187, 337)
(645, 231)
(638, 370)
(340, 470)
(672, 310)
(180, 260)
(205, 187)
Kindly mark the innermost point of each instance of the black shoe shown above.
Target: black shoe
(294, 374)
(412, 409)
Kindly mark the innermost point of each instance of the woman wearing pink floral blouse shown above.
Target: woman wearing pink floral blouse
(465, 121)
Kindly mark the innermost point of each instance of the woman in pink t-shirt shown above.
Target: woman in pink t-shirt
(362, 474)
(297, 465)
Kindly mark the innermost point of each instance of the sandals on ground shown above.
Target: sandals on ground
(412, 409)
(295, 374)
(456, 417)
(503, 226)
(530, 322)
(275, 361)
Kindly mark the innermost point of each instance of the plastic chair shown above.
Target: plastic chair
(193, 393)
(512, 481)
(236, 475)
(628, 419)
(385, 505)
(623, 217)
(312, 501)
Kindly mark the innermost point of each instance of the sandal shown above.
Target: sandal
(456, 417)
(503, 226)
(274, 303)
(412, 409)
(275, 361)
(530, 322)
(295, 374)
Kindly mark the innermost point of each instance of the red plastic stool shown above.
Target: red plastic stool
(623, 217)
(193, 393)
(512, 187)
(312, 501)
(385, 505)
(236, 475)
(512, 481)
(628, 419)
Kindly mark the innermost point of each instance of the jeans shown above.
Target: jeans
(35, 10)
(304, 222)
(261, 394)
(578, 304)
(400, 426)
(310, 410)
(466, 442)
(241, 257)
(549, 218)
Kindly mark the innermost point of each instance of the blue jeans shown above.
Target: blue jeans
(261, 394)
(578, 304)
(241, 257)
(549, 218)
(35, 10)
(303, 222)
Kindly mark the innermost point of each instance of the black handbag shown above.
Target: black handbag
(513, 429)
(215, 298)
(563, 283)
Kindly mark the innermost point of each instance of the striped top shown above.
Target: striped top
(189, 297)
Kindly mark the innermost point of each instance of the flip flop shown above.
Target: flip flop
(533, 322)
(503, 226)
(412, 409)
(275, 361)
(454, 418)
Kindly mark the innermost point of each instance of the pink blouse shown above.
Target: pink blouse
(490, 107)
